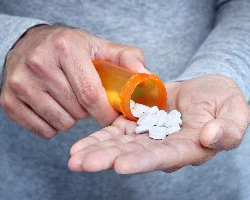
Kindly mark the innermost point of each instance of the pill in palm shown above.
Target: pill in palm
(174, 114)
(136, 113)
(158, 132)
(172, 121)
(154, 120)
(141, 107)
(157, 122)
(145, 119)
(153, 110)
(162, 115)
(173, 129)
(142, 129)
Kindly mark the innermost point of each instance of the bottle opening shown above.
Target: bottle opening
(145, 93)
(145, 89)
(123, 85)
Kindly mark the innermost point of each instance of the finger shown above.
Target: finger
(47, 70)
(88, 88)
(50, 110)
(95, 138)
(221, 134)
(98, 151)
(126, 56)
(39, 101)
(121, 126)
(169, 156)
(20, 113)
(62, 92)
(102, 156)
(227, 130)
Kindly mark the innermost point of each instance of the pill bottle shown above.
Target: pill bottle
(123, 85)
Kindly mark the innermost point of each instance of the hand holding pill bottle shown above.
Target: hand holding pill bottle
(123, 85)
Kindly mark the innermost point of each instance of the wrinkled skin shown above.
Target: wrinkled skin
(215, 117)
(49, 81)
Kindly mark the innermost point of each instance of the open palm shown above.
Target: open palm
(215, 117)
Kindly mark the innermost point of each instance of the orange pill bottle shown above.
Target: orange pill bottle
(123, 85)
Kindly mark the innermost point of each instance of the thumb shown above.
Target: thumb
(227, 130)
(221, 134)
(122, 55)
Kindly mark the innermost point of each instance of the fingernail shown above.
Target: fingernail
(217, 137)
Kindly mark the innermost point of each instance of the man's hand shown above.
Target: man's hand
(49, 81)
(215, 117)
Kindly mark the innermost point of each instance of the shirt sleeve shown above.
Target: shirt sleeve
(226, 50)
(11, 29)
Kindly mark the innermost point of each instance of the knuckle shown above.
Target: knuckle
(17, 84)
(133, 51)
(128, 53)
(12, 109)
(7, 105)
(67, 124)
(33, 57)
(35, 61)
(57, 120)
(46, 133)
(138, 51)
(62, 41)
(88, 95)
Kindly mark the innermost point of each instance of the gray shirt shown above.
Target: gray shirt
(180, 40)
